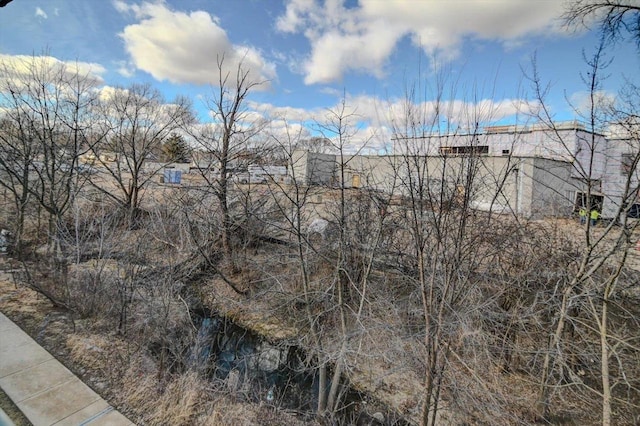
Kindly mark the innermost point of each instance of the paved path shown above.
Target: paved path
(45, 390)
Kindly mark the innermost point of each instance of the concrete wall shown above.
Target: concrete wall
(299, 165)
(531, 172)
(492, 183)
(553, 190)
(154, 166)
(615, 180)
(590, 146)
(369, 171)
(569, 143)
(531, 187)
(495, 186)
(311, 168)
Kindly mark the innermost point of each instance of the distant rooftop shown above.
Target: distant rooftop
(560, 125)
(509, 128)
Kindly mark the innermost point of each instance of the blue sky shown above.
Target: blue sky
(311, 53)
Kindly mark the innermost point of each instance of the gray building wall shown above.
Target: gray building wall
(311, 168)
(568, 142)
(553, 190)
(620, 183)
(531, 172)
(492, 183)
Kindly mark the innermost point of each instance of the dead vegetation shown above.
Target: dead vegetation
(404, 306)
(130, 318)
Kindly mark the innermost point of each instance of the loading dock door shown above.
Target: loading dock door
(581, 201)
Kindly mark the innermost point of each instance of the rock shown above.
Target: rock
(268, 358)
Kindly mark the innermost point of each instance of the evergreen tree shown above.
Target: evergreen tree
(175, 149)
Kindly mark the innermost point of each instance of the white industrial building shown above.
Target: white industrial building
(530, 171)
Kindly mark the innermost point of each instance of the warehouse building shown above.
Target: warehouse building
(530, 171)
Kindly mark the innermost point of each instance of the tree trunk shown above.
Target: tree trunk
(604, 368)
(322, 385)
(542, 405)
(132, 206)
(427, 298)
(335, 385)
(17, 238)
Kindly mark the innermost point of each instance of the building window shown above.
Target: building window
(506, 152)
(465, 150)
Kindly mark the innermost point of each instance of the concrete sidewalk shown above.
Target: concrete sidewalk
(45, 390)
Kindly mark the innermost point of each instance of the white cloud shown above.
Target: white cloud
(41, 13)
(287, 134)
(27, 76)
(20, 68)
(582, 102)
(121, 6)
(185, 47)
(362, 38)
(372, 120)
(286, 113)
(126, 69)
(106, 93)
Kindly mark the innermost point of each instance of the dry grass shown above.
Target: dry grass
(379, 357)
(180, 399)
(23, 305)
(177, 403)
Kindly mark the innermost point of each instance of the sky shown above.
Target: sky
(312, 56)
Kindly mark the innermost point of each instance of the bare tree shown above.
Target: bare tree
(348, 282)
(335, 243)
(225, 141)
(135, 123)
(592, 289)
(442, 168)
(615, 17)
(17, 154)
(53, 104)
(291, 204)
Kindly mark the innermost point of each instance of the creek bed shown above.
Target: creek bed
(276, 373)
